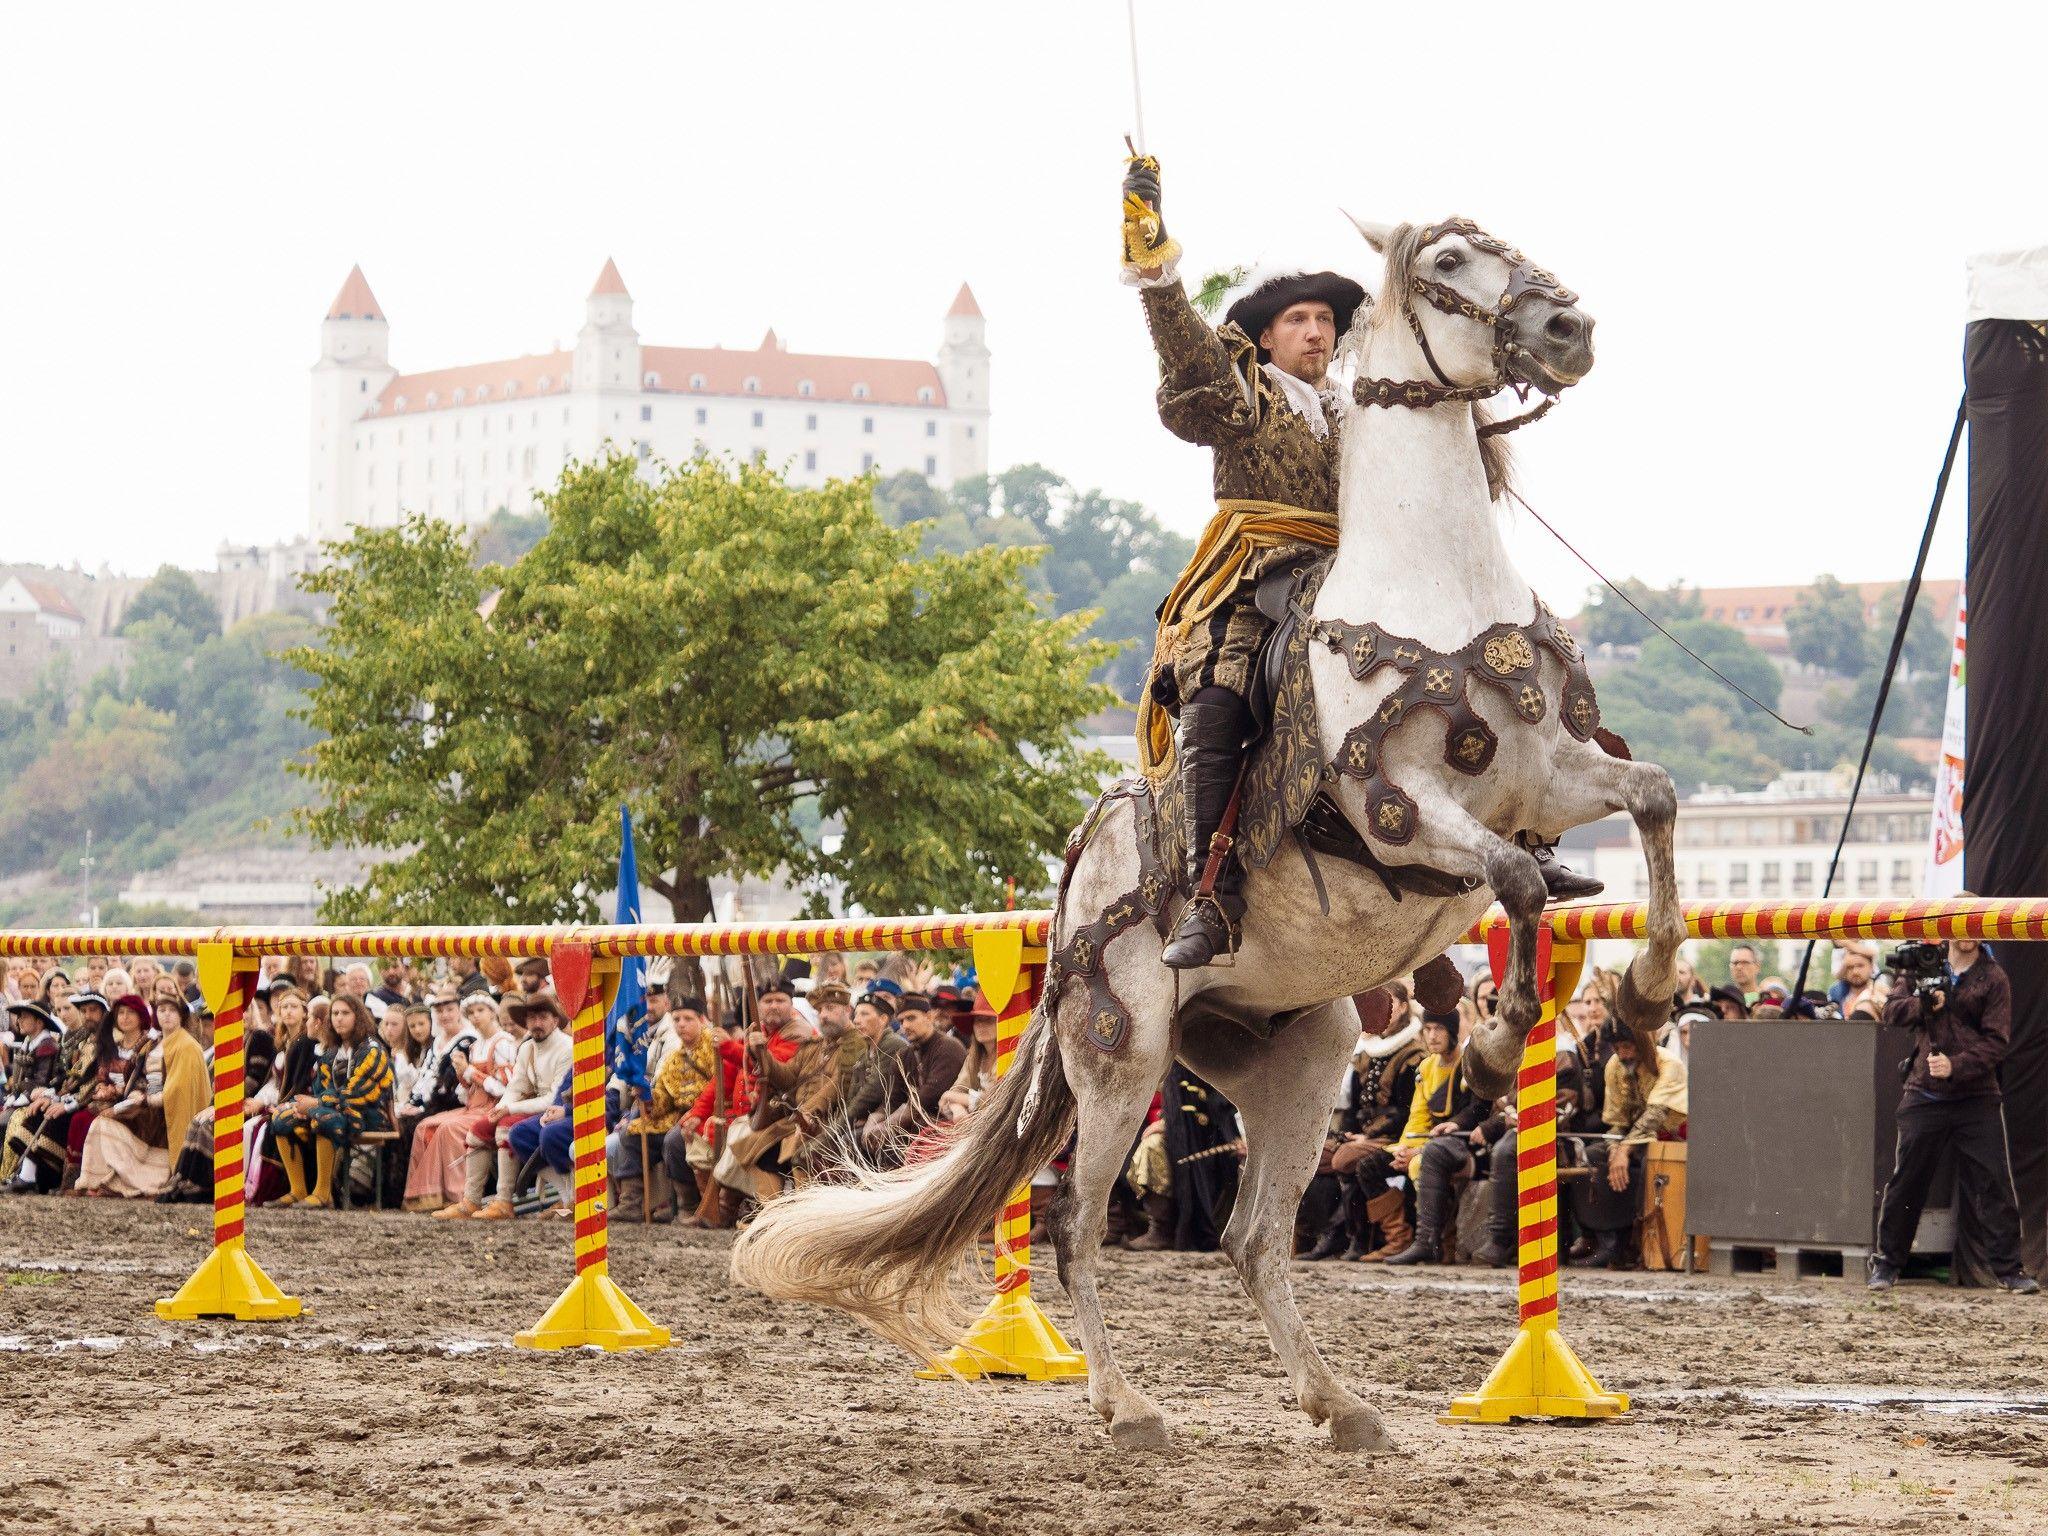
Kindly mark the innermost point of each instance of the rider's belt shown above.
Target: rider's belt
(1235, 535)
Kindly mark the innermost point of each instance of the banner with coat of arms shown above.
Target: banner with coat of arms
(1945, 829)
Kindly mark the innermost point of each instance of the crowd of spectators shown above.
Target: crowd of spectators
(444, 1088)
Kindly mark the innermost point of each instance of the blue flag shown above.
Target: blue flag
(626, 1048)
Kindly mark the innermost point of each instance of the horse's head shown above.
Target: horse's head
(1482, 312)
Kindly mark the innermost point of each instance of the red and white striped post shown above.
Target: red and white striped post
(229, 1283)
(593, 1310)
(1012, 1337)
(1540, 1376)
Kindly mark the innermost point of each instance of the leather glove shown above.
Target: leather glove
(1146, 243)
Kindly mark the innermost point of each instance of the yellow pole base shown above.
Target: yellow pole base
(1012, 1337)
(593, 1310)
(1538, 1378)
(228, 1284)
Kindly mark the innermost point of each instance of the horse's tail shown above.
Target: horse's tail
(889, 1247)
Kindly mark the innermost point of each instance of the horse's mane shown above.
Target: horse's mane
(1390, 308)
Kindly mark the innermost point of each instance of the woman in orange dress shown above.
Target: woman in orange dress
(434, 1177)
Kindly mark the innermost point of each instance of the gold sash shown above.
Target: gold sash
(1238, 531)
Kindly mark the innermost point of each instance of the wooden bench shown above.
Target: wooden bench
(376, 1143)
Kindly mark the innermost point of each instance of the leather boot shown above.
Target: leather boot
(632, 1200)
(1211, 747)
(1562, 882)
(1606, 1252)
(1357, 1227)
(1388, 1210)
(1331, 1241)
(1159, 1225)
(730, 1203)
(1498, 1251)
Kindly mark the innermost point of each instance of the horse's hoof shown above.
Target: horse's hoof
(1360, 1429)
(1140, 1433)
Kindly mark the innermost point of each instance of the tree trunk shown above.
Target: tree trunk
(689, 900)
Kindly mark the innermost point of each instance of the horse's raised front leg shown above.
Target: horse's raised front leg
(1112, 1093)
(1452, 841)
(1282, 1089)
(1590, 784)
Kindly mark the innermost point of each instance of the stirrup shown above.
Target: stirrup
(1222, 955)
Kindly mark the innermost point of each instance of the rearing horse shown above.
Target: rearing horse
(1420, 607)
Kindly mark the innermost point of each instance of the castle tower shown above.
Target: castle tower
(354, 367)
(963, 364)
(607, 348)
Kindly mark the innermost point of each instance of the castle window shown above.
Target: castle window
(867, 424)
(806, 388)
(970, 431)
(860, 391)
(511, 388)
(931, 429)
(752, 386)
(456, 398)
(398, 404)
(432, 399)
(810, 458)
(362, 386)
(810, 423)
(696, 381)
(647, 413)
(760, 418)
(925, 395)
(931, 466)
(545, 381)
(702, 415)
(652, 381)
(867, 462)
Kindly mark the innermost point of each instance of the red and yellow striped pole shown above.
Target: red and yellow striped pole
(1540, 1376)
(229, 1283)
(593, 1310)
(1012, 1337)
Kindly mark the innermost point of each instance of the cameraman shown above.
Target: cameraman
(1962, 1017)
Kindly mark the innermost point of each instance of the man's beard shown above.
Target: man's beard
(1313, 371)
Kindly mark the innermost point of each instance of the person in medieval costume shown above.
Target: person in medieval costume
(1255, 391)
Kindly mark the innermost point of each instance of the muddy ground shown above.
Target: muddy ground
(400, 1405)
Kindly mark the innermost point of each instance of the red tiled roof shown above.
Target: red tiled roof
(51, 601)
(609, 281)
(355, 301)
(889, 380)
(517, 378)
(963, 304)
(1759, 612)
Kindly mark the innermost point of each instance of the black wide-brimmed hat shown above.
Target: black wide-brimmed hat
(1255, 310)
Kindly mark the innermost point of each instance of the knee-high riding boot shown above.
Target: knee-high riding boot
(1211, 747)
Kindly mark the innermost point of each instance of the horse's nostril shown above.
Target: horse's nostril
(1565, 327)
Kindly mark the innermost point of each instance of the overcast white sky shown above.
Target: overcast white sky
(1767, 208)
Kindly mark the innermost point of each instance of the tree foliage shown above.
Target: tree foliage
(730, 656)
(172, 596)
(1825, 628)
(1609, 620)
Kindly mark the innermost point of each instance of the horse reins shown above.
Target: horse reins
(1525, 278)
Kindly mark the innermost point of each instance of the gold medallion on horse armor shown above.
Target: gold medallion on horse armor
(1529, 703)
(1438, 681)
(1472, 748)
(1510, 653)
(1106, 1028)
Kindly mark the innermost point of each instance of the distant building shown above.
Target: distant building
(461, 443)
(1759, 612)
(41, 624)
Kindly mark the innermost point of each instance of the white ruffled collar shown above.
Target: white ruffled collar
(1315, 406)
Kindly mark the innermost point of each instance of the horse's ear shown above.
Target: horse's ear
(1378, 236)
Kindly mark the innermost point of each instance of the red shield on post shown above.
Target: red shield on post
(570, 965)
(1497, 940)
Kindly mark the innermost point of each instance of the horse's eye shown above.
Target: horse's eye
(1447, 262)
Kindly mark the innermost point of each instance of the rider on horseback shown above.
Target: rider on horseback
(1255, 392)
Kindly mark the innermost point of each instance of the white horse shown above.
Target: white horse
(1420, 561)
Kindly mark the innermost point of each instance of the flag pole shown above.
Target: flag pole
(1137, 95)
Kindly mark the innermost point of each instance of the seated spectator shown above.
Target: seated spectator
(408, 1036)
(977, 1074)
(780, 1067)
(877, 1070)
(1860, 990)
(1502, 1133)
(127, 1149)
(929, 1067)
(192, 1164)
(118, 1052)
(1377, 1096)
(550, 1136)
(533, 974)
(1645, 1100)
(34, 1160)
(34, 1075)
(478, 1065)
(685, 1069)
(537, 1067)
(351, 1094)
(1434, 1147)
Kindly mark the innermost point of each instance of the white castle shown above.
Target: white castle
(461, 443)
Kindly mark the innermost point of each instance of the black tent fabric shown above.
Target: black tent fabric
(2005, 789)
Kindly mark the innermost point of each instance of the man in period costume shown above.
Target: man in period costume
(1256, 392)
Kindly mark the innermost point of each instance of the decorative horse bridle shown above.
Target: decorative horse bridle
(1525, 278)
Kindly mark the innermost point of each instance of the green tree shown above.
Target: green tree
(172, 594)
(1673, 712)
(1610, 621)
(1826, 629)
(724, 653)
